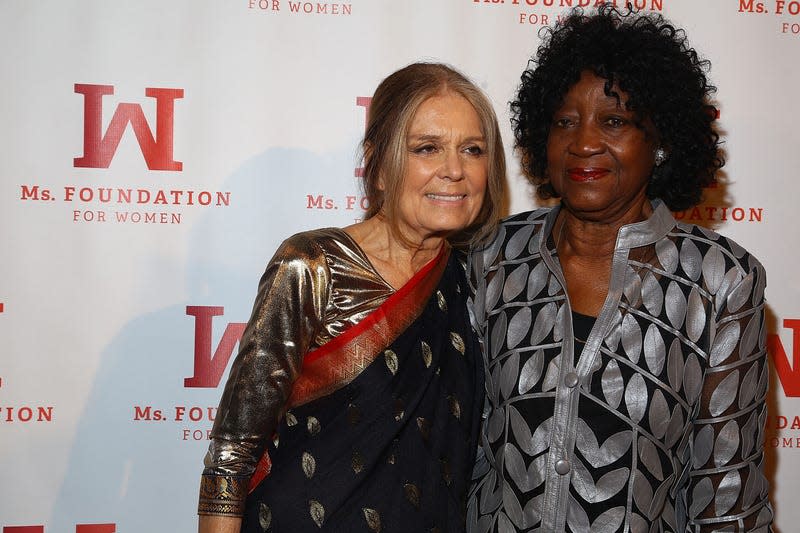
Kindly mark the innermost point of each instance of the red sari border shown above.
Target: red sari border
(340, 360)
(343, 358)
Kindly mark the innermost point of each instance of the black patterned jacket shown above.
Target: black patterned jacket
(658, 425)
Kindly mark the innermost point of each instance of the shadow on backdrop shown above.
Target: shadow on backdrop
(144, 474)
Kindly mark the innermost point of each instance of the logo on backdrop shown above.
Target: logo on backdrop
(547, 12)
(788, 372)
(80, 528)
(26, 413)
(116, 202)
(194, 421)
(703, 215)
(347, 202)
(783, 430)
(787, 10)
(299, 8)
(711, 213)
(99, 148)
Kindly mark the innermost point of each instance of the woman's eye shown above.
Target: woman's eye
(616, 122)
(562, 122)
(425, 149)
(474, 150)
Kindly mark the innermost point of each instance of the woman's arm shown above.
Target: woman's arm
(287, 314)
(727, 487)
(219, 524)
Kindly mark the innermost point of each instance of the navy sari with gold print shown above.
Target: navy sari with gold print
(381, 428)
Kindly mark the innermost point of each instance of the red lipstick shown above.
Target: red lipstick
(586, 174)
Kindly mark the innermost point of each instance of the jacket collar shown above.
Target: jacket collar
(643, 233)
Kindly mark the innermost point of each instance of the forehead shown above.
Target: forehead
(591, 88)
(444, 110)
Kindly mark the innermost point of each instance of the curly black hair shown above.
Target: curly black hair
(649, 59)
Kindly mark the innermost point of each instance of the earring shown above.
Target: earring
(660, 156)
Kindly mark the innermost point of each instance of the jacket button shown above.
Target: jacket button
(571, 380)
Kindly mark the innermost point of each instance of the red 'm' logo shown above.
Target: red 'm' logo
(789, 374)
(99, 148)
(208, 370)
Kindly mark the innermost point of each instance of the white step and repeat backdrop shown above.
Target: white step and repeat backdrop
(154, 153)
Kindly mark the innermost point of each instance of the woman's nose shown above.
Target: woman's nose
(453, 166)
(587, 140)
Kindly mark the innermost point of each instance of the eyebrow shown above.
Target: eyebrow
(430, 137)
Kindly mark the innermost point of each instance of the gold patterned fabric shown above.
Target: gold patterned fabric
(318, 284)
(220, 495)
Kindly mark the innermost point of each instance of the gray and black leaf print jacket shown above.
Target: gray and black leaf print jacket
(657, 426)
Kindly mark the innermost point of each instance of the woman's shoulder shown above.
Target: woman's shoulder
(314, 245)
(320, 240)
(516, 232)
(711, 248)
(524, 225)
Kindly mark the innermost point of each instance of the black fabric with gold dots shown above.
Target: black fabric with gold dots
(392, 450)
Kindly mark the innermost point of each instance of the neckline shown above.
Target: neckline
(643, 233)
(363, 255)
(582, 326)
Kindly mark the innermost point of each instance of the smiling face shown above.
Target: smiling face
(446, 169)
(598, 160)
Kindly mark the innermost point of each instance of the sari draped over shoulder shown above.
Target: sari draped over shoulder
(379, 426)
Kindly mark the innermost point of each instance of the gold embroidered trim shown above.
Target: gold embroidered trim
(222, 495)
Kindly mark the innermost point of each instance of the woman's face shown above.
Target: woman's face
(598, 160)
(446, 169)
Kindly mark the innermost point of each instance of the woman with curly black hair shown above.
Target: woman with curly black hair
(625, 352)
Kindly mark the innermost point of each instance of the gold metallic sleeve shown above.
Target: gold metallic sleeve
(287, 314)
(295, 311)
